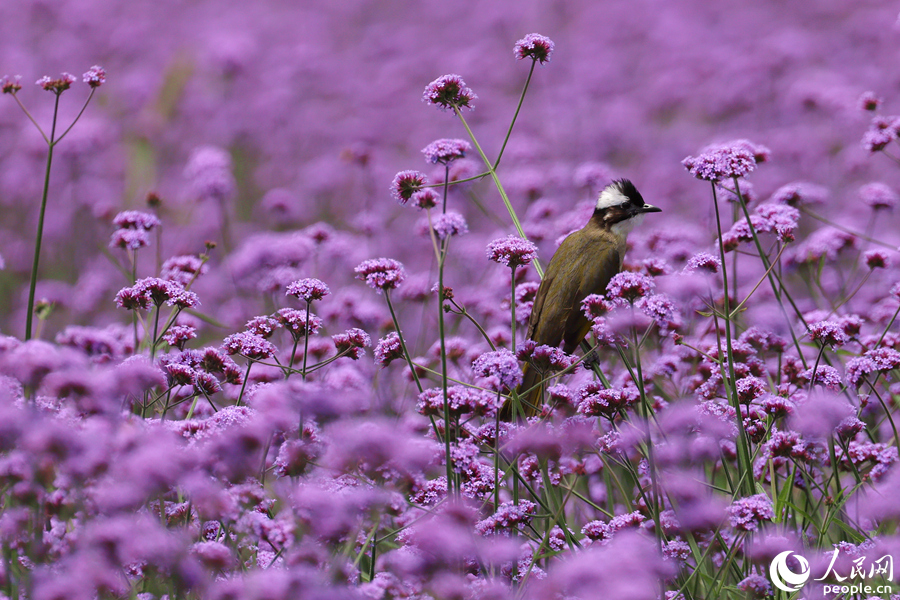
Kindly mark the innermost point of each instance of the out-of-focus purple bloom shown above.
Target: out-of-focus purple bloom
(249, 345)
(882, 131)
(57, 86)
(512, 251)
(878, 360)
(756, 586)
(353, 341)
(424, 199)
(95, 76)
(209, 172)
(461, 400)
(535, 46)
(130, 239)
(108, 343)
(500, 368)
(449, 91)
(507, 517)
(308, 289)
(825, 242)
(869, 101)
(446, 150)
(387, 349)
(135, 219)
(544, 358)
(878, 195)
(451, 223)
(593, 400)
(183, 269)
(800, 193)
(748, 513)
(10, 85)
(703, 261)
(877, 259)
(734, 159)
(407, 183)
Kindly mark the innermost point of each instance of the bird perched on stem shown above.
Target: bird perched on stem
(583, 264)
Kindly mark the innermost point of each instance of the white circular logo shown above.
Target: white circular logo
(782, 576)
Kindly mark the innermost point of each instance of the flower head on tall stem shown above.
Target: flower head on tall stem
(445, 150)
(308, 289)
(57, 86)
(723, 161)
(407, 183)
(512, 251)
(381, 274)
(95, 76)
(535, 46)
(448, 92)
(10, 85)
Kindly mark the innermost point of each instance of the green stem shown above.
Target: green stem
(40, 230)
(512, 308)
(305, 342)
(442, 255)
(503, 196)
(403, 348)
(743, 446)
(516, 114)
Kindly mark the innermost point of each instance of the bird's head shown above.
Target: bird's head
(621, 207)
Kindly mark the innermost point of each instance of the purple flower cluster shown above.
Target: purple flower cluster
(725, 161)
(446, 150)
(152, 291)
(535, 46)
(449, 92)
(512, 251)
(381, 274)
(308, 289)
(499, 370)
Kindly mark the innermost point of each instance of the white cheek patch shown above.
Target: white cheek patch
(611, 196)
(623, 228)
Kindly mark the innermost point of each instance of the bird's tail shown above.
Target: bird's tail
(529, 393)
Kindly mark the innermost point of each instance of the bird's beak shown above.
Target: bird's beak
(647, 208)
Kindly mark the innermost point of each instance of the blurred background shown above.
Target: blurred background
(275, 128)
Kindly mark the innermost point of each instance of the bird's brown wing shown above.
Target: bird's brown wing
(583, 265)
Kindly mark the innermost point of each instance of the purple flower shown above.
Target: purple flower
(703, 261)
(733, 159)
(748, 513)
(593, 400)
(800, 193)
(449, 91)
(446, 150)
(387, 349)
(507, 517)
(501, 368)
(353, 340)
(178, 335)
(57, 86)
(299, 323)
(248, 344)
(131, 239)
(827, 333)
(183, 269)
(405, 184)
(95, 76)
(877, 259)
(512, 251)
(155, 291)
(381, 273)
(308, 289)
(263, 326)
(451, 223)
(626, 287)
(209, 172)
(534, 46)
(461, 400)
(10, 86)
(135, 219)
(869, 101)
(878, 195)
(756, 586)
(424, 199)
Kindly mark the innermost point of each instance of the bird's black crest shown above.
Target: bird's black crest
(627, 189)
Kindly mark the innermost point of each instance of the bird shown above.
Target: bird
(584, 263)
